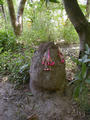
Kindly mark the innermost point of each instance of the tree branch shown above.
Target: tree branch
(75, 14)
(88, 9)
(12, 13)
(20, 9)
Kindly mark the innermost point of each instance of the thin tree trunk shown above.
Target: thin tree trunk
(3, 13)
(20, 16)
(17, 22)
(88, 10)
(12, 15)
(79, 21)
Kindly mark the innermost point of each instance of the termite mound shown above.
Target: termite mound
(47, 70)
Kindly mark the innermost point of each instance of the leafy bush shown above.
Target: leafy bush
(7, 41)
(16, 65)
(68, 33)
(1, 2)
(14, 58)
(82, 78)
(19, 69)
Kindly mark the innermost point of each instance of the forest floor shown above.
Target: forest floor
(19, 104)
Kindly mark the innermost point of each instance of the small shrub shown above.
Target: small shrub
(68, 33)
(14, 58)
(7, 41)
(82, 79)
(16, 65)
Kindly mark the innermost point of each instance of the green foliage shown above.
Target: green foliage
(38, 29)
(47, 24)
(1, 2)
(82, 78)
(16, 65)
(7, 41)
(69, 34)
(83, 8)
(14, 58)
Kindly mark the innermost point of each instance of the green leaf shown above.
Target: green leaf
(78, 76)
(87, 52)
(84, 71)
(74, 60)
(72, 81)
(87, 47)
(87, 80)
(23, 67)
(1, 49)
(86, 60)
(1, 2)
(28, 93)
(80, 60)
(76, 91)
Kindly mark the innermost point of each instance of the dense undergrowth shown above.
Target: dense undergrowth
(14, 58)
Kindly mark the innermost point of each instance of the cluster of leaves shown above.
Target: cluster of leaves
(82, 78)
(68, 33)
(16, 66)
(14, 59)
(1, 2)
(7, 41)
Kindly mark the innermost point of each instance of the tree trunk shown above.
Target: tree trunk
(12, 14)
(20, 16)
(79, 21)
(88, 10)
(2, 7)
(17, 22)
